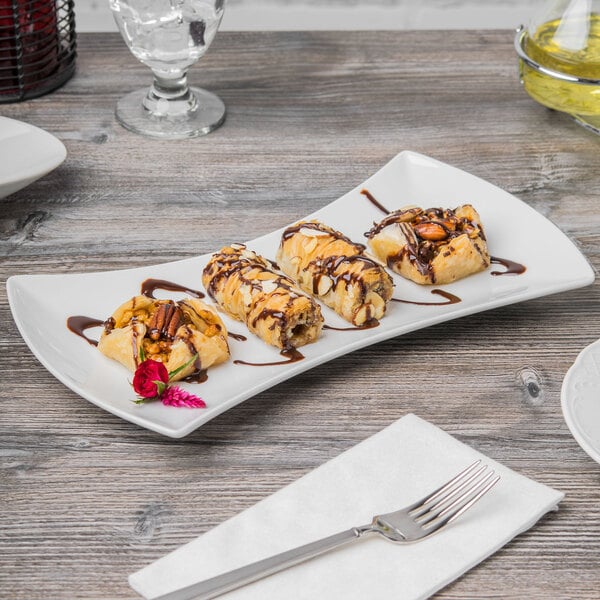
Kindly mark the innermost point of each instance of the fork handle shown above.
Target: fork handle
(231, 580)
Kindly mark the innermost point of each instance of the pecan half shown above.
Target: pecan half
(165, 322)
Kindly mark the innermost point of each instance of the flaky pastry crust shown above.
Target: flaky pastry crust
(166, 331)
(431, 246)
(247, 287)
(325, 263)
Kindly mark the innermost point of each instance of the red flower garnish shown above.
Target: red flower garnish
(150, 379)
(151, 382)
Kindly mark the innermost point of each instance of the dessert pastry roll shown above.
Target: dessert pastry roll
(246, 286)
(433, 245)
(336, 270)
(167, 331)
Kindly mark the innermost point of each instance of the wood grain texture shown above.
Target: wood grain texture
(88, 498)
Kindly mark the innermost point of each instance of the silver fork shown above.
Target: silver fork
(410, 524)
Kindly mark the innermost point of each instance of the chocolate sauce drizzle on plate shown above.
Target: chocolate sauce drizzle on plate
(512, 267)
(291, 354)
(150, 285)
(237, 336)
(450, 299)
(374, 201)
(198, 376)
(78, 324)
(368, 325)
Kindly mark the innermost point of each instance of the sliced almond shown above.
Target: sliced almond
(310, 245)
(324, 285)
(377, 301)
(268, 286)
(308, 232)
(363, 315)
(246, 295)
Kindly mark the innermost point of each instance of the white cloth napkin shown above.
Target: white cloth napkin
(393, 468)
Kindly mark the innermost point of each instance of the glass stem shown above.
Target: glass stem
(170, 96)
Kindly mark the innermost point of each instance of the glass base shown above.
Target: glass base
(207, 115)
(590, 123)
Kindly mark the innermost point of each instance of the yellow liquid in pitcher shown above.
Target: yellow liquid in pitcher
(555, 47)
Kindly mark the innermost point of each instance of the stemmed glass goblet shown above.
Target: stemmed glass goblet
(169, 36)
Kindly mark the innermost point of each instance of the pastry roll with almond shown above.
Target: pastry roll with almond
(247, 288)
(166, 331)
(325, 263)
(433, 245)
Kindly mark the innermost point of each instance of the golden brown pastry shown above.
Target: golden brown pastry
(432, 245)
(325, 263)
(167, 331)
(245, 286)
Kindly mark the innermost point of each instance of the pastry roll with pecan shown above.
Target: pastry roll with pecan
(167, 331)
(433, 245)
(246, 287)
(325, 263)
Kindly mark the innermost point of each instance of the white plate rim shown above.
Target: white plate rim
(568, 398)
(28, 175)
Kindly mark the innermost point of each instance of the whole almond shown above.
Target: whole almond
(433, 232)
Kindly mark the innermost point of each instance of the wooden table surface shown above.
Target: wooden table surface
(88, 498)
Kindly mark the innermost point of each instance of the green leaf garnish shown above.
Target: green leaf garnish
(182, 367)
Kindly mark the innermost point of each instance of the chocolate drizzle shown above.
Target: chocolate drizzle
(395, 217)
(329, 267)
(450, 299)
(374, 201)
(316, 226)
(291, 354)
(512, 267)
(368, 325)
(420, 253)
(223, 265)
(80, 323)
(238, 337)
(198, 376)
(150, 285)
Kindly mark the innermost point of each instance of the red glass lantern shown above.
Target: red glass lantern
(37, 47)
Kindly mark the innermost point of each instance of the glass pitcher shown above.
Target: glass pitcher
(559, 59)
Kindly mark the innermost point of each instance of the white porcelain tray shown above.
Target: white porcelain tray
(580, 400)
(26, 154)
(42, 303)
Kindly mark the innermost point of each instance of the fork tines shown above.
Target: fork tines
(454, 498)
